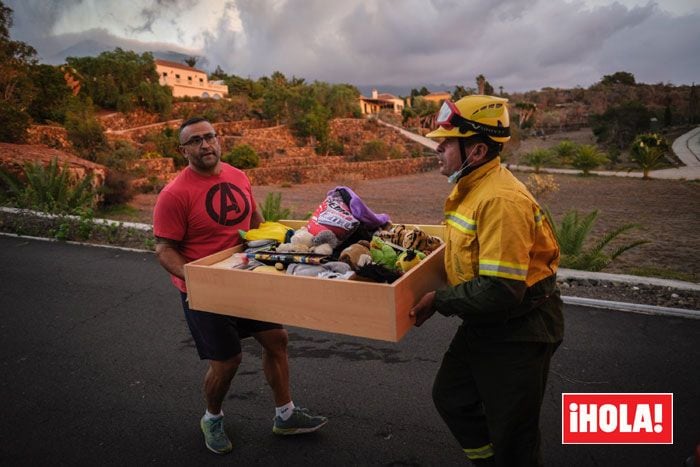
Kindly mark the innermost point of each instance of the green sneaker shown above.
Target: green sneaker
(299, 422)
(214, 435)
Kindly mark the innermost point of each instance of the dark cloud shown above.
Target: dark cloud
(517, 44)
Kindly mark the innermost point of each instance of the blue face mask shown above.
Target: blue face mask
(457, 174)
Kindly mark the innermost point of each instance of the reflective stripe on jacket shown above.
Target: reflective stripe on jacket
(494, 227)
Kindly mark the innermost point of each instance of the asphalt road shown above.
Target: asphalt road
(98, 369)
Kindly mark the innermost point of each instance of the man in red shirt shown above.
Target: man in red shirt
(197, 214)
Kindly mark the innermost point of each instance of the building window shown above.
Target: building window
(165, 74)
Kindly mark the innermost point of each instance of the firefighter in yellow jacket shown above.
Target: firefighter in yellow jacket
(501, 259)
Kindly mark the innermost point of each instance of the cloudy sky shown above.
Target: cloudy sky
(518, 44)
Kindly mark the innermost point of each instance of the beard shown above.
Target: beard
(205, 161)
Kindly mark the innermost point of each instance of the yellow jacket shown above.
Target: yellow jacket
(494, 227)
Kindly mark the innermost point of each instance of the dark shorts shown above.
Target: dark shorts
(218, 337)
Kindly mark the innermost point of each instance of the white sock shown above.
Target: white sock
(285, 411)
(208, 415)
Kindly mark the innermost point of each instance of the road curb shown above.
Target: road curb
(632, 307)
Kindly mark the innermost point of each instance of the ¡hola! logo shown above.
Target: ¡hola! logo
(617, 418)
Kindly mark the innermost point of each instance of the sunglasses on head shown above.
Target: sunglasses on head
(449, 117)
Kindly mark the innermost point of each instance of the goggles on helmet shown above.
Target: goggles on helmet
(449, 117)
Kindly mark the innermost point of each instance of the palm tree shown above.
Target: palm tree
(648, 151)
(587, 158)
(565, 151)
(537, 158)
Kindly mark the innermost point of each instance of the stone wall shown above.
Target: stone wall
(333, 170)
(353, 133)
(159, 166)
(55, 137)
(239, 127)
(13, 157)
(118, 121)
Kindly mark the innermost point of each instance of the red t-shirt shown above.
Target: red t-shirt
(204, 213)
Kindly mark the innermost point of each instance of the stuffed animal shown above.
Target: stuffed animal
(356, 255)
(410, 238)
(299, 243)
(408, 259)
(382, 254)
(324, 242)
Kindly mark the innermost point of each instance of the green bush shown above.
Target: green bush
(117, 189)
(572, 235)
(538, 158)
(587, 158)
(84, 131)
(117, 154)
(377, 150)
(565, 151)
(242, 156)
(272, 209)
(14, 124)
(49, 189)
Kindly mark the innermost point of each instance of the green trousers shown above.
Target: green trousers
(489, 394)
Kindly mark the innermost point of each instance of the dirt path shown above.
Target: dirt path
(667, 211)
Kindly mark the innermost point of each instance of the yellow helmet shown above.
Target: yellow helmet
(471, 115)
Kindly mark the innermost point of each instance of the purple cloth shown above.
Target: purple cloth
(360, 210)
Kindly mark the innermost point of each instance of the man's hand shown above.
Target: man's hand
(424, 309)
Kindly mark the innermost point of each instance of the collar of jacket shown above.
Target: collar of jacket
(468, 181)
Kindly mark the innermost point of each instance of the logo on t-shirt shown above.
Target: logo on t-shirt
(227, 204)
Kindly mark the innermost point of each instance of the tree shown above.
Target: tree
(51, 103)
(461, 91)
(648, 151)
(618, 125)
(693, 98)
(525, 111)
(84, 131)
(122, 80)
(219, 74)
(484, 86)
(342, 101)
(16, 87)
(619, 77)
(191, 61)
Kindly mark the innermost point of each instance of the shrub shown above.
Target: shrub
(572, 235)
(14, 124)
(242, 156)
(565, 151)
(117, 155)
(117, 188)
(84, 131)
(538, 158)
(587, 158)
(50, 189)
(377, 150)
(541, 185)
(272, 209)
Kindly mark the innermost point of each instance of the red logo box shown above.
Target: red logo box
(617, 418)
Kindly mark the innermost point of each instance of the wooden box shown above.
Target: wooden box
(364, 309)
